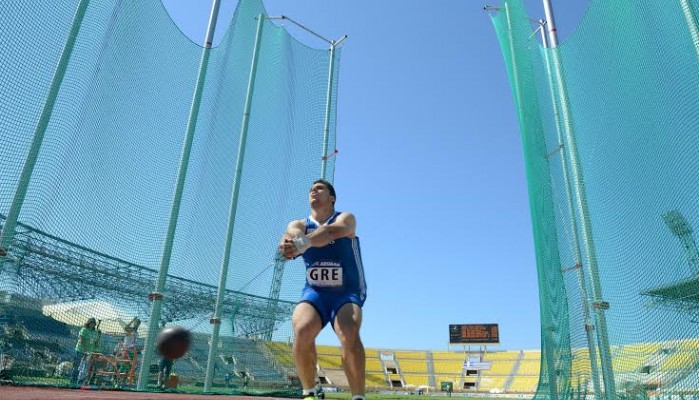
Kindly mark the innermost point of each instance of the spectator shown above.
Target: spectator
(130, 344)
(228, 378)
(246, 379)
(86, 345)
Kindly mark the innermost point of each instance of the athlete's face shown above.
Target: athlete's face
(320, 195)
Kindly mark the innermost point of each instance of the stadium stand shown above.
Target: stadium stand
(492, 383)
(500, 374)
(282, 353)
(35, 343)
(682, 358)
(376, 369)
(529, 367)
(412, 379)
(416, 365)
(330, 361)
(523, 384)
(337, 378)
(413, 368)
(330, 350)
(501, 355)
(268, 363)
(409, 355)
(38, 344)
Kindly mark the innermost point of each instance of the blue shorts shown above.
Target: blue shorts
(327, 304)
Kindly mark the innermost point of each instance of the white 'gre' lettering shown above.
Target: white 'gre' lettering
(324, 276)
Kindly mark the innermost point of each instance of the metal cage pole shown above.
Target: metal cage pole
(599, 306)
(334, 44)
(278, 276)
(216, 319)
(550, 360)
(157, 296)
(326, 124)
(8, 230)
(328, 105)
(692, 25)
(582, 285)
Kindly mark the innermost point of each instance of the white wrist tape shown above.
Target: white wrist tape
(302, 244)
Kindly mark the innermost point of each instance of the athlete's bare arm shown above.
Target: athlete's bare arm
(343, 226)
(295, 229)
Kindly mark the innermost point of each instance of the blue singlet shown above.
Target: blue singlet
(334, 274)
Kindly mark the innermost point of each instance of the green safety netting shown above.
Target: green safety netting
(609, 127)
(111, 87)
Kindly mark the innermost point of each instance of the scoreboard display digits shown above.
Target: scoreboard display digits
(474, 334)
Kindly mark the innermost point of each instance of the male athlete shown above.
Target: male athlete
(335, 289)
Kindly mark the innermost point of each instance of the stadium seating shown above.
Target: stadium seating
(448, 371)
(38, 344)
(330, 350)
(416, 379)
(529, 367)
(413, 366)
(409, 355)
(492, 383)
(448, 355)
(376, 375)
(631, 358)
(685, 355)
(501, 355)
(282, 352)
(327, 361)
(524, 384)
(373, 364)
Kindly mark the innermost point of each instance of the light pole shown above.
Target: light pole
(679, 226)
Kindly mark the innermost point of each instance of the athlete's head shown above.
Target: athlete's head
(322, 192)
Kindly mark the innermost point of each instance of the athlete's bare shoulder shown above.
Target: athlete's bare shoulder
(297, 224)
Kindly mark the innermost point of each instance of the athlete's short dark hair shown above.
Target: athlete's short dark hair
(328, 185)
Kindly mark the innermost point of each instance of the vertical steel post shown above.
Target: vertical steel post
(550, 360)
(157, 296)
(551, 24)
(279, 262)
(691, 19)
(216, 320)
(582, 285)
(599, 306)
(328, 104)
(8, 230)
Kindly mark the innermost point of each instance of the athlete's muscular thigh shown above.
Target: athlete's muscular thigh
(306, 322)
(348, 320)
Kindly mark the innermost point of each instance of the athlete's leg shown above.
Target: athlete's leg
(307, 324)
(347, 324)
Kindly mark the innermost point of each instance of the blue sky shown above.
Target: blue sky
(430, 162)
